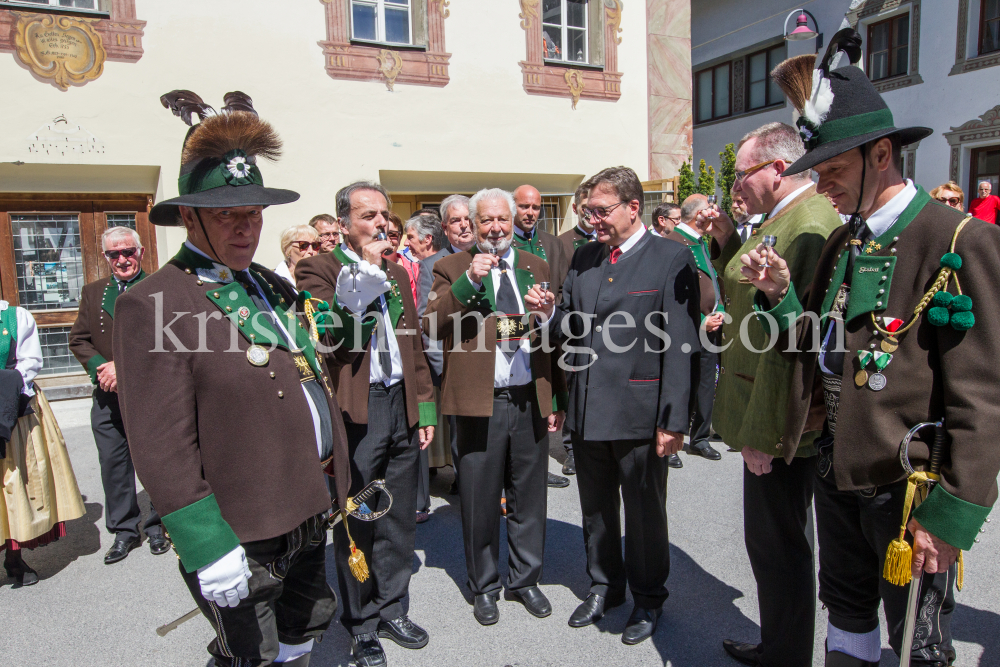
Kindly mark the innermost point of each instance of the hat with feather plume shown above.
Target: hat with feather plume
(839, 109)
(219, 157)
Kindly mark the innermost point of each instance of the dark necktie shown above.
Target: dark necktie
(381, 339)
(507, 305)
(615, 254)
(745, 232)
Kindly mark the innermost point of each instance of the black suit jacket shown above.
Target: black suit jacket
(626, 385)
(432, 348)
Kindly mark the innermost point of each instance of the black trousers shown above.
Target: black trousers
(289, 602)
(778, 532)
(121, 507)
(701, 424)
(854, 530)
(632, 469)
(384, 448)
(507, 451)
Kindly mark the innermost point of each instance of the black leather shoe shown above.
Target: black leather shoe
(484, 608)
(367, 650)
(119, 550)
(593, 609)
(674, 461)
(533, 600)
(18, 570)
(404, 632)
(569, 468)
(557, 482)
(748, 654)
(641, 625)
(705, 451)
(158, 544)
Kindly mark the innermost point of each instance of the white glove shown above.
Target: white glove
(371, 282)
(757, 462)
(224, 581)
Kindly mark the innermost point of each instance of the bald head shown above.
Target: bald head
(691, 206)
(528, 202)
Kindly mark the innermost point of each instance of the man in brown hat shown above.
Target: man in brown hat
(227, 405)
(886, 341)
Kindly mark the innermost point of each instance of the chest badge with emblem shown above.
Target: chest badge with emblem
(258, 355)
(891, 343)
(244, 312)
(876, 381)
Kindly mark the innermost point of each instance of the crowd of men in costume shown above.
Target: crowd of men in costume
(623, 339)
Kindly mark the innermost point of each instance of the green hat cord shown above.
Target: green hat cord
(946, 308)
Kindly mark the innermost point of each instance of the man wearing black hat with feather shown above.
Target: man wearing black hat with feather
(884, 340)
(227, 404)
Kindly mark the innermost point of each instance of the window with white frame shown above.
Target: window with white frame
(564, 30)
(386, 21)
(93, 5)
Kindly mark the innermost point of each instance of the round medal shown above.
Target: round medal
(889, 345)
(861, 377)
(257, 355)
(244, 312)
(877, 382)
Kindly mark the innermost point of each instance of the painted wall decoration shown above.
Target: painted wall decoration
(68, 51)
(61, 137)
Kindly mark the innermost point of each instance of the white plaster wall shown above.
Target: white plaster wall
(334, 131)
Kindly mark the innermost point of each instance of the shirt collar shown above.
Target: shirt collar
(881, 220)
(455, 249)
(784, 202)
(583, 232)
(632, 240)
(688, 229)
(350, 253)
(522, 234)
(191, 247)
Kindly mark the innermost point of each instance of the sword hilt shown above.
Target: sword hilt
(937, 449)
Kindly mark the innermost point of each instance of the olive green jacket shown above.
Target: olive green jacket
(753, 386)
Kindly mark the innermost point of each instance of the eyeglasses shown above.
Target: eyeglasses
(740, 175)
(305, 245)
(326, 236)
(393, 235)
(124, 252)
(600, 213)
(950, 201)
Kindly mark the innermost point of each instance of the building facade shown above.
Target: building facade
(429, 97)
(932, 60)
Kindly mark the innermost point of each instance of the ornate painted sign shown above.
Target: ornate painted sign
(64, 49)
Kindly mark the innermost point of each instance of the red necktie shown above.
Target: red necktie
(615, 254)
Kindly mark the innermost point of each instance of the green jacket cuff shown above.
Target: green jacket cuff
(560, 401)
(92, 365)
(200, 534)
(951, 519)
(789, 304)
(428, 413)
(466, 292)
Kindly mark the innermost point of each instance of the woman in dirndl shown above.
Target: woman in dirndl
(39, 489)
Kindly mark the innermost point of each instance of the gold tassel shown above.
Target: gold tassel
(359, 568)
(960, 572)
(899, 556)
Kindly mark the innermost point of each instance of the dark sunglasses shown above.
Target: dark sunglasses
(951, 201)
(305, 245)
(125, 252)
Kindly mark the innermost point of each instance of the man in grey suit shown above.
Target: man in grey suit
(458, 230)
(629, 319)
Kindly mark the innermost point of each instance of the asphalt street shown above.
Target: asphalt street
(84, 613)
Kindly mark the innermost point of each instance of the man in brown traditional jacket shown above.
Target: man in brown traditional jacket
(507, 396)
(90, 341)
(229, 411)
(890, 341)
(386, 395)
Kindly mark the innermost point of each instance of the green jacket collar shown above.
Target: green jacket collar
(111, 292)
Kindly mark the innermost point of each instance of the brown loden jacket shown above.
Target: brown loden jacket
(91, 336)
(318, 276)
(469, 362)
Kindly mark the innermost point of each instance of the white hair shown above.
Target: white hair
(452, 200)
(113, 233)
(292, 234)
(982, 183)
(491, 194)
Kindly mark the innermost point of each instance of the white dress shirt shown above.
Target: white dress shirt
(28, 348)
(517, 371)
(375, 373)
(787, 200)
(748, 226)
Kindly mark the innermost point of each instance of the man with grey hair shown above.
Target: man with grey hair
(508, 395)
(424, 236)
(460, 237)
(90, 341)
(986, 205)
(777, 496)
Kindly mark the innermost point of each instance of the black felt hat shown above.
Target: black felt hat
(219, 158)
(840, 109)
